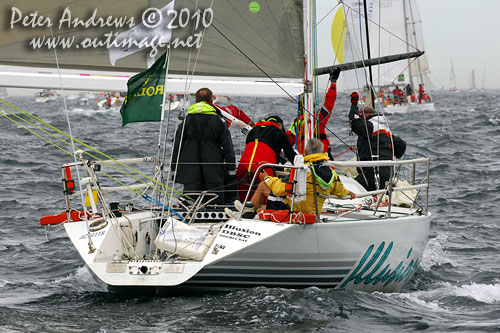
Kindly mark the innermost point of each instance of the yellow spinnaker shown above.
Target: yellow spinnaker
(338, 34)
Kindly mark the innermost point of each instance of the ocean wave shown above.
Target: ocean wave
(435, 254)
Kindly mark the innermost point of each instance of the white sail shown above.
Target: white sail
(453, 84)
(472, 79)
(394, 27)
(272, 50)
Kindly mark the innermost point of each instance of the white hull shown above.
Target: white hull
(402, 109)
(352, 244)
(392, 109)
(381, 254)
(45, 99)
(421, 107)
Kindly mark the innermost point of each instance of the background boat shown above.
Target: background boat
(394, 27)
(46, 96)
(453, 85)
(472, 81)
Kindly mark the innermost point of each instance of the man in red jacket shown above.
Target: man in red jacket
(320, 118)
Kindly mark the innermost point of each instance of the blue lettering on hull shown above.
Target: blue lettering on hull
(371, 269)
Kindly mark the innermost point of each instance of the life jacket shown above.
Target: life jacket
(202, 108)
(265, 123)
(318, 134)
(294, 126)
(324, 175)
(296, 133)
(380, 126)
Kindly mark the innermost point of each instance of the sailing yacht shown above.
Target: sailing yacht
(472, 79)
(453, 85)
(484, 78)
(164, 239)
(397, 84)
(45, 96)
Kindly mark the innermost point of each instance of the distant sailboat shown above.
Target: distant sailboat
(472, 81)
(484, 76)
(46, 95)
(401, 18)
(453, 84)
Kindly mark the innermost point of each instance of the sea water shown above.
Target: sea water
(44, 286)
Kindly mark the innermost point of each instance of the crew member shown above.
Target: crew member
(320, 118)
(264, 144)
(420, 93)
(203, 154)
(375, 142)
(321, 179)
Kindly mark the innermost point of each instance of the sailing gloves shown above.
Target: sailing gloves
(354, 98)
(334, 75)
(353, 112)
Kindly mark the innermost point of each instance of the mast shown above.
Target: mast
(369, 55)
(452, 77)
(484, 75)
(415, 41)
(473, 80)
(407, 22)
(309, 70)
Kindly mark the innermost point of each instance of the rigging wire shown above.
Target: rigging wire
(189, 80)
(327, 14)
(90, 243)
(275, 82)
(386, 30)
(76, 140)
(379, 50)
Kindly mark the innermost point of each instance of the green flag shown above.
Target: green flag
(145, 94)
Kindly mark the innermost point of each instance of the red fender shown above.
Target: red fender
(62, 217)
(265, 214)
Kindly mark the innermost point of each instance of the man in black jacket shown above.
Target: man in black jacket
(203, 153)
(375, 142)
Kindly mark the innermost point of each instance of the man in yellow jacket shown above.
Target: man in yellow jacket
(326, 179)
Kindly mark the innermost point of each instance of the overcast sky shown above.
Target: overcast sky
(466, 31)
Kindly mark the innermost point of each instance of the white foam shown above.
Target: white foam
(81, 280)
(486, 293)
(494, 120)
(431, 299)
(422, 299)
(435, 254)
